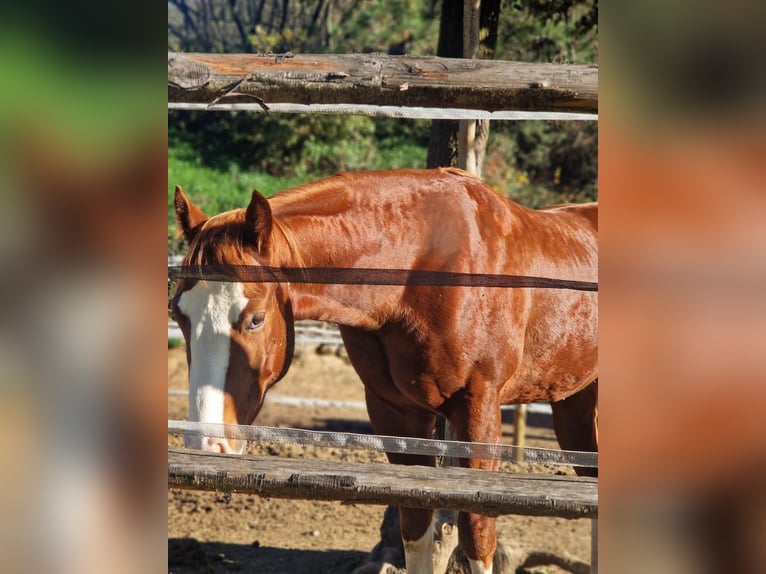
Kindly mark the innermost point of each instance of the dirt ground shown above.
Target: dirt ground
(210, 533)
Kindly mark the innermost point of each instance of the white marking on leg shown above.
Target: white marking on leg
(212, 309)
(477, 567)
(418, 554)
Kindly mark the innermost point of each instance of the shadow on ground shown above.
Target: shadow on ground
(189, 556)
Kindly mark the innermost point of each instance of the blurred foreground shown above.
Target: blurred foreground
(683, 278)
(82, 192)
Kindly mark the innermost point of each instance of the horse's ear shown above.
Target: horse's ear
(258, 220)
(188, 215)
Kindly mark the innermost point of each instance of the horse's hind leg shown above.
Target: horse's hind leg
(575, 420)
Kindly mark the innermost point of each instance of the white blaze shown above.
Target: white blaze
(212, 308)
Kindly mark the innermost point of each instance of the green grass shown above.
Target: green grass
(174, 343)
(215, 191)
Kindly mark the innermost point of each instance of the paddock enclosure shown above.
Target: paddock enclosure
(283, 513)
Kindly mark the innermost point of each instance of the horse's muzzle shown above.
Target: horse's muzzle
(214, 444)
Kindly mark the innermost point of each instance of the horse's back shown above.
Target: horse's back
(448, 219)
(588, 211)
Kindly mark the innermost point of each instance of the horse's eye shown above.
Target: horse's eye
(256, 321)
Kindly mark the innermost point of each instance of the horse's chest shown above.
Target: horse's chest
(425, 372)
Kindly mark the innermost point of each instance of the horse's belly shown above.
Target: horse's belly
(560, 355)
(533, 386)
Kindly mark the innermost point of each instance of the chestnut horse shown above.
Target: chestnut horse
(421, 351)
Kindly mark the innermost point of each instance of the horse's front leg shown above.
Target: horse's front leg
(416, 523)
(475, 417)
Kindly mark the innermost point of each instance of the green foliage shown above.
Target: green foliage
(549, 31)
(528, 30)
(542, 163)
(390, 27)
(561, 154)
(249, 25)
(280, 144)
(296, 145)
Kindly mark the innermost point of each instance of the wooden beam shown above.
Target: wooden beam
(431, 82)
(487, 493)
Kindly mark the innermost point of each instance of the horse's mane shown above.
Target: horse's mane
(223, 239)
(219, 241)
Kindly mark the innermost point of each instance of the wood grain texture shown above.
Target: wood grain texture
(489, 85)
(488, 493)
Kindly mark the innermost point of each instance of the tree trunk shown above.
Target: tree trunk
(488, 18)
(443, 144)
(466, 138)
(442, 147)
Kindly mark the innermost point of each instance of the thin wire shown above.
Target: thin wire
(379, 443)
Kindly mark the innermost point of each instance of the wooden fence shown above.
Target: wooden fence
(376, 80)
(482, 492)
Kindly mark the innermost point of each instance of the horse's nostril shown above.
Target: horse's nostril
(218, 445)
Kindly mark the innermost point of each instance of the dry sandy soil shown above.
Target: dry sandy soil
(210, 533)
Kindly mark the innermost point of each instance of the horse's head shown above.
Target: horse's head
(239, 336)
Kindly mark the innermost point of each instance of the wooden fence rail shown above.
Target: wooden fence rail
(487, 493)
(378, 80)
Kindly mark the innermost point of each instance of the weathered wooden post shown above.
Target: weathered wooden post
(467, 156)
(520, 429)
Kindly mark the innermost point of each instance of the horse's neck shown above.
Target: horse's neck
(365, 307)
(323, 303)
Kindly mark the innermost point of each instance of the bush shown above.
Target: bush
(541, 163)
(296, 145)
